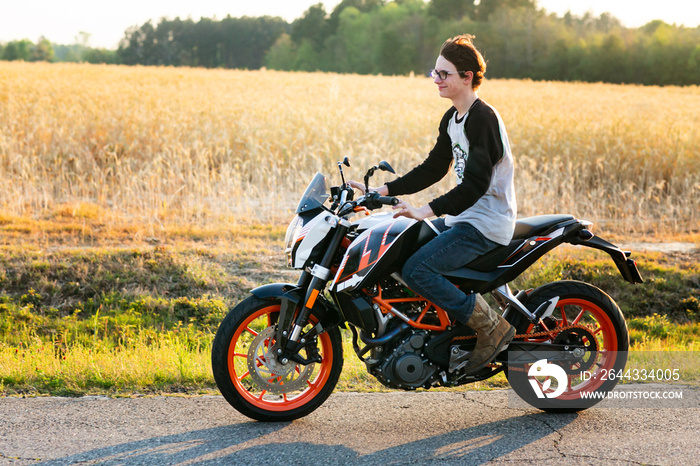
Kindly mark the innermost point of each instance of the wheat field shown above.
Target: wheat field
(159, 146)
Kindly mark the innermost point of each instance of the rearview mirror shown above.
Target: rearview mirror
(384, 166)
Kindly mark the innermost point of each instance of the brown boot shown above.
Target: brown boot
(493, 335)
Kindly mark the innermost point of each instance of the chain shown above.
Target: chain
(547, 333)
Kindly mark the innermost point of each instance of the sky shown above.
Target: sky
(61, 21)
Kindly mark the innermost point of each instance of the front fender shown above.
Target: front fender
(291, 295)
(275, 290)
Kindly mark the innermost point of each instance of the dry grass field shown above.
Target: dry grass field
(213, 148)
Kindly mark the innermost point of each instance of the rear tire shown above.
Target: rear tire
(607, 340)
(256, 384)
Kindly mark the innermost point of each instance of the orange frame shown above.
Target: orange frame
(387, 304)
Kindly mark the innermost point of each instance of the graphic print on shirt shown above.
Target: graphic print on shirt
(460, 157)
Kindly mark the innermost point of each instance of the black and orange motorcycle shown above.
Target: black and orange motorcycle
(278, 354)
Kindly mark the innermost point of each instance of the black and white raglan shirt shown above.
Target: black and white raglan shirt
(477, 147)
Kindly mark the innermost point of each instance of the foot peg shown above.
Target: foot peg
(458, 358)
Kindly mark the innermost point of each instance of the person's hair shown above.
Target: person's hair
(460, 51)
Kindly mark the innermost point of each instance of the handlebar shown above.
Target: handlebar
(371, 201)
(383, 200)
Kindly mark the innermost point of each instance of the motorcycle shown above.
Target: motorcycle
(278, 354)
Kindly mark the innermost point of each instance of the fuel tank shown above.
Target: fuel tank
(380, 250)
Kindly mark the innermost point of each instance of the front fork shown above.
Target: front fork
(289, 335)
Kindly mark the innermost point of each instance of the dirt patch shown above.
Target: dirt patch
(686, 248)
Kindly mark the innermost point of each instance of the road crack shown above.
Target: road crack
(557, 439)
(561, 450)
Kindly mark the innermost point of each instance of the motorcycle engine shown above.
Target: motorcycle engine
(404, 366)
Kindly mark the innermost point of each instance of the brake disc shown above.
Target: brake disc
(271, 375)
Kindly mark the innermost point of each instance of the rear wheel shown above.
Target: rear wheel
(585, 317)
(251, 379)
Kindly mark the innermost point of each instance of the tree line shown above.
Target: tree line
(518, 39)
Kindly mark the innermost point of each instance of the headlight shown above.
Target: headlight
(290, 238)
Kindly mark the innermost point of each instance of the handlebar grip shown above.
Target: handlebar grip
(388, 200)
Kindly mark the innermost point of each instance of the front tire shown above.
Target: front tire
(604, 334)
(249, 376)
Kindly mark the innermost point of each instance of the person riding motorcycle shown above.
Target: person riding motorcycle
(479, 212)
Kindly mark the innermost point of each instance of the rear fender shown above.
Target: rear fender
(626, 266)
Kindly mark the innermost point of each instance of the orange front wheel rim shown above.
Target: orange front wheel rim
(260, 379)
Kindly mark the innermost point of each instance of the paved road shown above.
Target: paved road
(383, 428)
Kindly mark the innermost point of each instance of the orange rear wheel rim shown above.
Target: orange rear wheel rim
(581, 311)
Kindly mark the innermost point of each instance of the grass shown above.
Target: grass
(121, 320)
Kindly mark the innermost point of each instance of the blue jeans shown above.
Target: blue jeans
(453, 248)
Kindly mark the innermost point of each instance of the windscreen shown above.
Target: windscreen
(315, 194)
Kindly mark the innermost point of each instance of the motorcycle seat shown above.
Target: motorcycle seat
(531, 226)
(524, 228)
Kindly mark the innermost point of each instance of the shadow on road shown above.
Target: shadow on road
(225, 445)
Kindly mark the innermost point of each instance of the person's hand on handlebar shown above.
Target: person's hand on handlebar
(382, 190)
